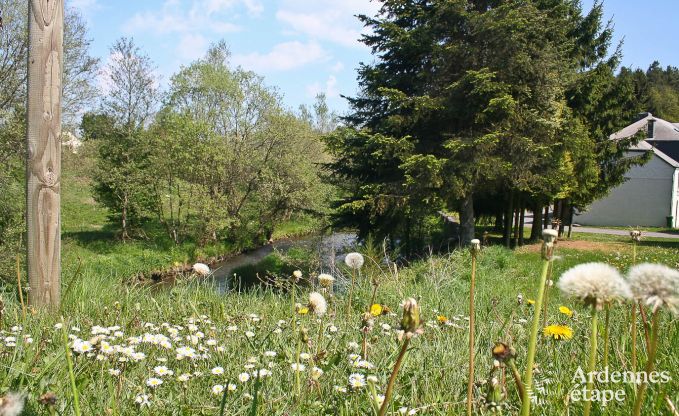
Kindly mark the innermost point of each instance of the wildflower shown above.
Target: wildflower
(441, 319)
(594, 283)
(316, 373)
(635, 235)
(184, 378)
(303, 310)
(11, 404)
(114, 372)
(317, 303)
(357, 381)
(142, 400)
(655, 285)
(297, 274)
(566, 311)
(48, 399)
(201, 269)
(217, 371)
(379, 399)
(340, 389)
(304, 356)
(372, 379)
(270, 354)
(410, 323)
(519, 299)
(262, 373)
(475, 246)
(231, 387)
(217, 389)
(298, 367)
(354, 260)
(154, 382)
(530, 302)
(243, 377)
(558, 332)
(325, 280)
(82, 347)
(376, 309)
(249, 334)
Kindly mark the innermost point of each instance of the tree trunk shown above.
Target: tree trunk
(43, 178)
(125, 235)
(507, 235)
(515, 237)
(467, 220)
(499, 223)
(536, 228)
(570, 222)
(522, 222)
(545, 225)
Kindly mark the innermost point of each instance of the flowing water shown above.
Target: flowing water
(330, 249)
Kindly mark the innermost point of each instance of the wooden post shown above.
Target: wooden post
(43, 172)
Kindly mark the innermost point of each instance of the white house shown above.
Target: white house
(650, 194)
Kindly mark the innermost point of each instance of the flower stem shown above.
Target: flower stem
(592, 358)
(392, 378)
(351, 291)
(634, 336)
(530, 361)
(470, 383)
(650, 364)
(21, 291)
(517, 379)
(297, 380)
(71, 372)
(606, 332)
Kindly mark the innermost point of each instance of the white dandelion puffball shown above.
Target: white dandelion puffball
(325, 280)
(656, 285)
(201, 269)
(354, 260)
(317, 303)
(12, 404)
(594, 283)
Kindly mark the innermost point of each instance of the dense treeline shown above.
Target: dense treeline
(220, 159)
(656, 90)
(485, 108)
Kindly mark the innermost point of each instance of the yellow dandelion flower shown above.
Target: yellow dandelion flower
(558, 332)
(442, 319)
(566, 311)
(303, 310)
(376, 309)
(530, 302)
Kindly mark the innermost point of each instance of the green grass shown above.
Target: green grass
(432, 380)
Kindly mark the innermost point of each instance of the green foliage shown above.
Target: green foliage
(509, 103)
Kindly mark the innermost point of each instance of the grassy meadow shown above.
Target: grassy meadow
(197, 342)
(187, 350)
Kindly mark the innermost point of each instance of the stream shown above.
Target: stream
(330, 248)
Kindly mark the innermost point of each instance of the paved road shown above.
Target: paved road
(592, 230)
(610, 231)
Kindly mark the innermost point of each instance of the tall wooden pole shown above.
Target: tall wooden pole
(45, 64)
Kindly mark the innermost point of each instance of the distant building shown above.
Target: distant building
(650, 194)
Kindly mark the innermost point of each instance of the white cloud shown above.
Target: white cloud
(337, 67)
(330, 88)
(327, 20)
(203, 15)
(284, 56)
(192, 46)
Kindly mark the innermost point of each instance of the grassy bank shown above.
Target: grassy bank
(236, 333)
(90, 243)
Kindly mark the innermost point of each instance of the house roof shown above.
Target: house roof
(663, 131)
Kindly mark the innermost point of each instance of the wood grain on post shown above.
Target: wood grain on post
(45, 64)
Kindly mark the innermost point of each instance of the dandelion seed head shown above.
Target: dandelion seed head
(354, 260)
(201, 269)
(594, 283)
(12, 404)
(325, 280)
(317, 303)
(656, 285)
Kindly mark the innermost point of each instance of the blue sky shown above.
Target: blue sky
(308, 46)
